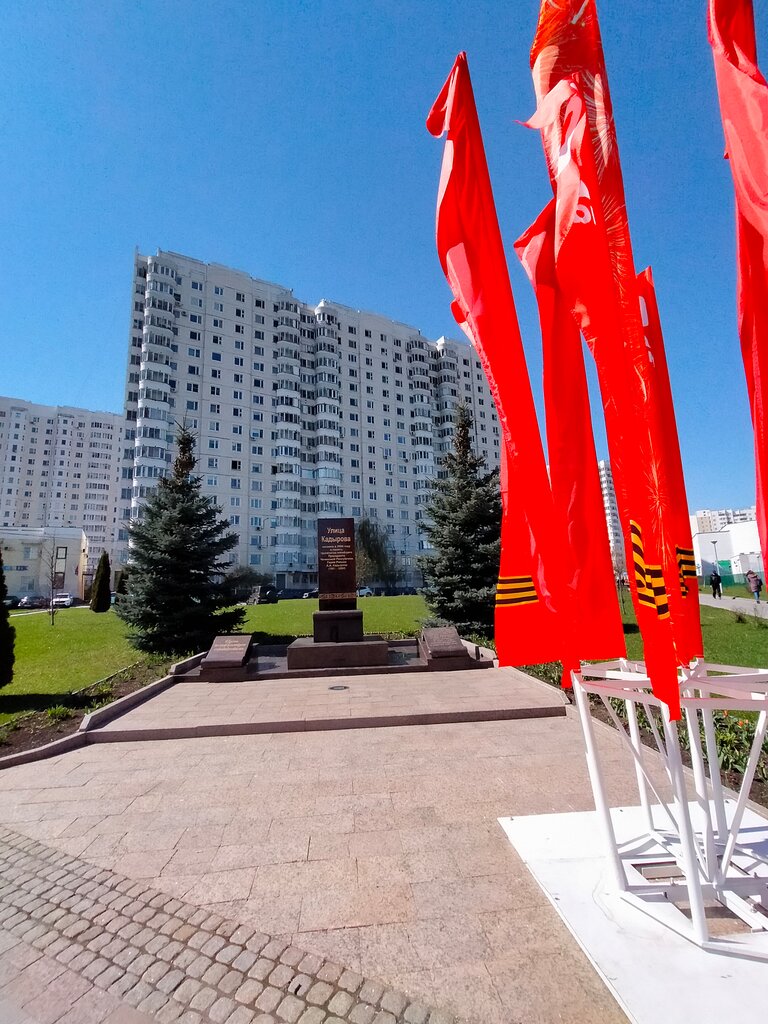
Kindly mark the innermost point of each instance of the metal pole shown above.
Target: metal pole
(596, 779)
(687, 841)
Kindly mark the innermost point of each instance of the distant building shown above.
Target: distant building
(709, 520)
(300, 411)
(615, 536)
(33, 559)
(735, 548)
(59, 469)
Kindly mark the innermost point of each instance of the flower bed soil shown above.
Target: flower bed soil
(36, 728)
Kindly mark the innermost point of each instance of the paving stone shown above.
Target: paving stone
(290, 1009)
(244, 960)
(213, 945)
(215, 973)
(281, 975)
(231, 982)
(171, 980)
(382, 1017)
(300, 984)
(154, 1001)
(203, 999)
(441, 1017)
(292, 956)
(313, 1015)
(393, 1002)
(221, 1009)
(249, 991)
(261, 969)
(188, 988)
(417, 1013)
(311, 964)
(269, 999)
(341, 1004)
(350, 981)
(273, 949)
(370, 992)
(242, 1015)
(169, 1013)
(329, 972)
(362, 1014)
(199, 966)
(320, 993)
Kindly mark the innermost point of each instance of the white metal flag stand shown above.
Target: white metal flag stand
(691, 855)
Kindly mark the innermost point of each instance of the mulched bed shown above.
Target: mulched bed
(36, 728)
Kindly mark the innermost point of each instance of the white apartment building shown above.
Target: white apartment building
(59, 468)
(711, 520)
(615, 536)
(301, 411)
(36, 560)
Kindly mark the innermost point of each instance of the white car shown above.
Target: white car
(365, 592)
(62, 601)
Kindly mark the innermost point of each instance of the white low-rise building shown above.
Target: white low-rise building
(37, 561)
(735, 549)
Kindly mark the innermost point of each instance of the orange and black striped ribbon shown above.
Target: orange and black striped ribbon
(515, 590)
(686, 567)
(649, 579)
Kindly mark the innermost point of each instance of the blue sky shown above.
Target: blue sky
(287, 139)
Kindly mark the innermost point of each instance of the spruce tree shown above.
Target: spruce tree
(101, 596)
(177, 596)
(464, 530)
(7, 633)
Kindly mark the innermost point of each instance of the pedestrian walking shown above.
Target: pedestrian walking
(754, 584)
(716, 582)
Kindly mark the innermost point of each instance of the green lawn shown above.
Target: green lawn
(726, 641)
(380, 615)
(79, 649)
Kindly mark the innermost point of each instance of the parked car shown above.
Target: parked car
(33, 601)
(311, 593)
(62, 600)
(11, 601)
(264, 595)
(365, 592)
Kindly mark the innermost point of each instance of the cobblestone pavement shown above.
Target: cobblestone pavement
(84, 945)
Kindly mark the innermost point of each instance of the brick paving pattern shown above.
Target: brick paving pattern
(82, 944)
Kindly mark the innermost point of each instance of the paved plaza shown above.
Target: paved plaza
(137, 875)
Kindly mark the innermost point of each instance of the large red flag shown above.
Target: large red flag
(598, 631)
(744, 107)
(684, 592)
(530, 594)
(596, 273)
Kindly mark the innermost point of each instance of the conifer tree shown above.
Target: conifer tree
(7, 633)
(101, 596)
(464, 530)
(177, 595)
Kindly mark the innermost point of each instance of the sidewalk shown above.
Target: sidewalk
(745, 605)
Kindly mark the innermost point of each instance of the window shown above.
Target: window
(218, 290)
(216, 356)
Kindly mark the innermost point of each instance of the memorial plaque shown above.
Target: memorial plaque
(229, 649)
(336, 563)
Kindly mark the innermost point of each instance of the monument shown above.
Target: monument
(338, 640)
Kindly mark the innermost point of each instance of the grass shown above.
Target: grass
(388, 615)
(78, 650)
(726, 641)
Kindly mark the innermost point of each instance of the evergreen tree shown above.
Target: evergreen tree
(7, 633)
(177, 595)
(101, 596)
(464, 529)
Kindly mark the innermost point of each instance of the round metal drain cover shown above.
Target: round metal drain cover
(338, 687)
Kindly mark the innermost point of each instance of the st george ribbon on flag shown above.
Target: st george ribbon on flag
(743, 94)
(531, 622)
(600, 280)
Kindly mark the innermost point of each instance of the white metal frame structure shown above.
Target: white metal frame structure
(693, 854)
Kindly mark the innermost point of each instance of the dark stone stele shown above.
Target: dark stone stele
(225, 659)
(338, 640)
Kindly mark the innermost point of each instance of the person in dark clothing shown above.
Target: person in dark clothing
(754, 584)
(716, 582)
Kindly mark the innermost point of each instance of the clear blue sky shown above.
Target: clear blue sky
(288, 139)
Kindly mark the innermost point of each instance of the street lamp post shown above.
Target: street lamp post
(714, 545)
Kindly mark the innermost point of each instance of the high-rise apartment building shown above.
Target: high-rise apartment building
(300, 411)
(615, 536)
(709, 520)
(59, 467)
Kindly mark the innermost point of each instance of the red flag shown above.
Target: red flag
(529, 595)
(683, 592)
(743, 96)
(598, 630)
(596, 272)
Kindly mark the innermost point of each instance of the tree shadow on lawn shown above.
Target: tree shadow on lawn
(15, 703)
